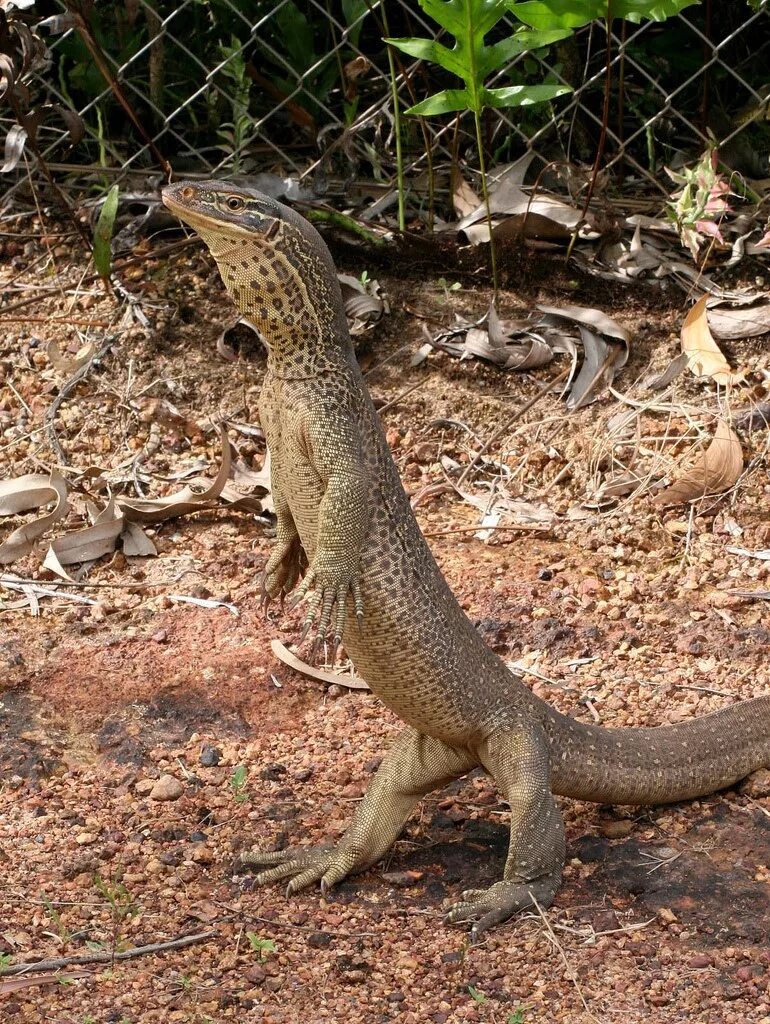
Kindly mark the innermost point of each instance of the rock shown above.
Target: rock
(85, 838)
(616, 829)
(167, 788)
(145, 786)
(210, 756)
(700, 960)
(319, 940)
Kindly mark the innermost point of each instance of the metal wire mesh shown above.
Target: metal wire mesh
(304, 89)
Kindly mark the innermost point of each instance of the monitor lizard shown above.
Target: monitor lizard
(370, 580)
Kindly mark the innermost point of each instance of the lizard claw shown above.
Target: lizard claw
(327, 605)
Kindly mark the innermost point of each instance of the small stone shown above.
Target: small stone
(167, 788)
(319, 940)
(210, 756)
(145, 786)
(160, 636)
(616, 829)
(255, 975)
(700, 960)
(667, 915)
(85, 838)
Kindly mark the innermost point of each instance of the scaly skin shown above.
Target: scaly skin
(373, 583)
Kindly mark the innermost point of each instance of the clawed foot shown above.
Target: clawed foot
(328, 599)
(284, 568)
(484, 908)
(325, 864)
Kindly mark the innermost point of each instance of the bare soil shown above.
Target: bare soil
(628, 615)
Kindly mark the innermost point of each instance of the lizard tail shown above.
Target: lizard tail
(662, 764)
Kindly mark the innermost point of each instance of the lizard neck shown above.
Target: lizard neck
(292, 296)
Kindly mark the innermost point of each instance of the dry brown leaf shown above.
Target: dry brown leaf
(739, 322)
(592, 318)
(156, 510)
(508, 343)
(713, 472)
(24, 493)
(67, 363)
(364, 302)
(464, 199)
(88, 544)
(605, 345)
(703, 354)
(340, 678)
(8, 985)
(136, 543)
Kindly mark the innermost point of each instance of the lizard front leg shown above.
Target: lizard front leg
(415, 765)
(519, 761)
(287, 560)
(335, 452)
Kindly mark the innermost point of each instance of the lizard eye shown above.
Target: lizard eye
(234, 203)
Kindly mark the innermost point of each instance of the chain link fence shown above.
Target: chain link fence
(306, 90)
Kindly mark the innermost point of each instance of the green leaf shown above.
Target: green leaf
(468, 21)
(548, 15)
(523, 95)
(444, 102)
(429, 49)
(103, 233)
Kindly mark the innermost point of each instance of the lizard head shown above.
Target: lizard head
(274, 263)
(224, 214)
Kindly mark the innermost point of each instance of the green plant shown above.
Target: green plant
(517, 1017)
(5, 960)
(233, 133)
(473, 60)
(102, 251)
(549, 15)
(700, 204)
(120, 900)
(261, 946)
(238, 784)
(476, 995)
(53, 913)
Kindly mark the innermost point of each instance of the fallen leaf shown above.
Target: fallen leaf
(22, 494)
(136, 543)
(703, 354)
(9, 985)
(364, 302)
(204, 602)
(68, 364)
(88, 544)
(763, 555)
(741, 322)
(510, 344)
(713, 472)
(605, 345)
(352, 682)
(464, 199)
(156, 510)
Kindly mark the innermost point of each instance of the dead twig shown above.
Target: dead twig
(107, 957)
(65, 389)
(530, 527)
(571, 973)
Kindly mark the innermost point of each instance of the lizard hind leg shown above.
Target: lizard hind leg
(519, 762)
(415, 765)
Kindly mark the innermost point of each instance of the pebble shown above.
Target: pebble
(85, 838)
(210, 756)
(167, 788)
